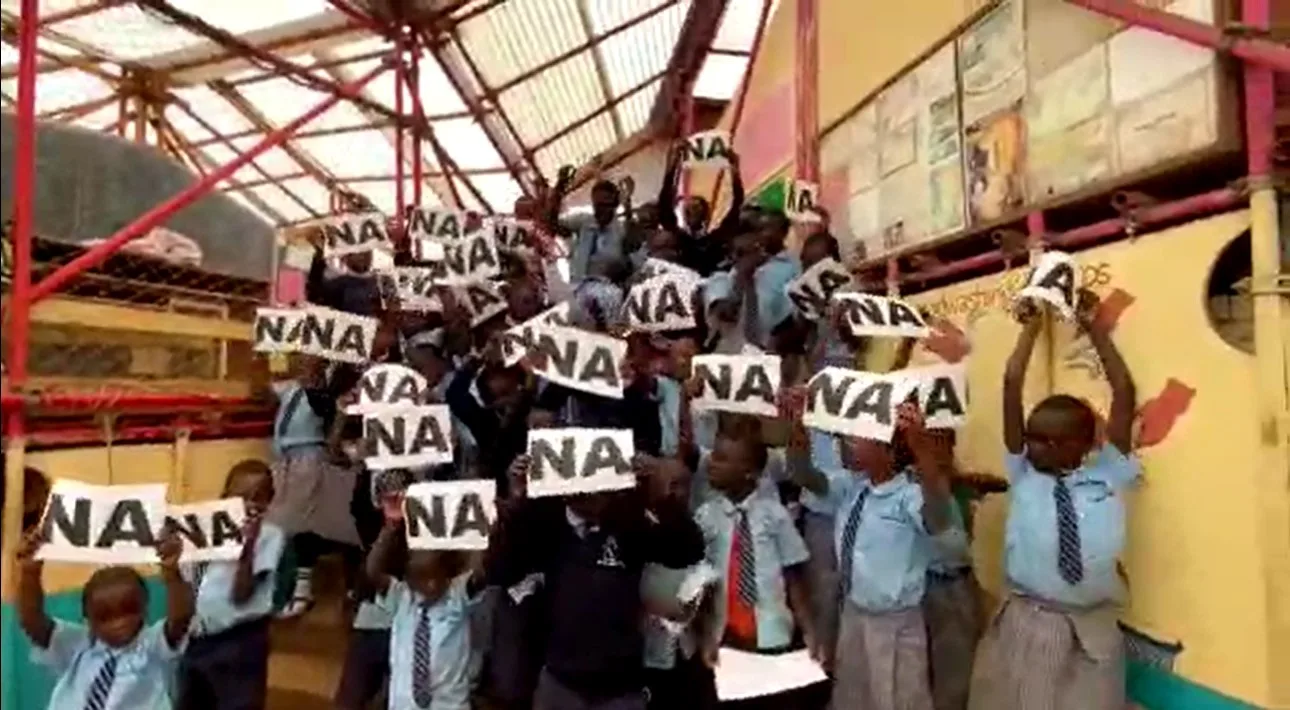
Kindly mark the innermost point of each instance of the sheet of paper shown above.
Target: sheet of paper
(742, 675)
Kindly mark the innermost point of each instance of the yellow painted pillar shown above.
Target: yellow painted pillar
(13, 479)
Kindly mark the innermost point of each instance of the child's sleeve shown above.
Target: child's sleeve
(394, 597)
(269, 549)
(788, 541)
(1115, 468)
(157, 647)
(1015, 465)
(65, 643)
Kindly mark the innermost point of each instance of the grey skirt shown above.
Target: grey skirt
(1038, 655)
(881, 661)
(950, 608)
(312, 494)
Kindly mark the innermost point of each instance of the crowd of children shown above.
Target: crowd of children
(852, 549)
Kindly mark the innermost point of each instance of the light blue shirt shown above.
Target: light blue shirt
(776, 470)
(661, 644)
(951, 550)
(450, 645)
(773, 303)
(827, 459)
(216, 611)
(371, 616)
(144, 669)
(588, 239)
(776, 546)
(303, 428)
(1030, 549)
(668, 392)
(892, 548)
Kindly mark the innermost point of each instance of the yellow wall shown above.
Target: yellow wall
(1195, 557)
(194, 470)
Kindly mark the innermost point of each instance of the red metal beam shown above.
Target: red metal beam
(742, 94)
(81, 401)
(609, 106)
(82, 436)
(1260, 98)
(154, 217)
(700, 28)
(806, 91)
(1251, 49)
(400, 69)
(24, 194)
(419, 116)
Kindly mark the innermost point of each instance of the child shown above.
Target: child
(591, 550)
(114, 662)
(431, 662)
(748, 304)
(227, 662)
(762, 597)
(1054, 641)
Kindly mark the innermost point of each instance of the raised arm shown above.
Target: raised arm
(245, 578)
(934, 458)
(555, 200)
(1014, 378)
(730, 222)
(378, 560)
(1119, 427)
(667, 193)
(180, 604)
(31, 592)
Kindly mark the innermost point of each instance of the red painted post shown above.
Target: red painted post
(24, 193)
(97, 254)
(807, 91)
(742, 93)
(400, 68)
(419, 116)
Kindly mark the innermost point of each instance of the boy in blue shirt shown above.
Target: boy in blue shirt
(1054, 642)
(112, 662)
(226, 666)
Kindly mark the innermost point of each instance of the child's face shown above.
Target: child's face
(358, 263)
(732, 467)
(1057, 440)
(430, 573)
(591, 507)
(813, 252)
(505, 388)
(663, 245)
(254, 488)
(872, 457)
(115, 612)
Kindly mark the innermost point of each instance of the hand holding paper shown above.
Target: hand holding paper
(169, 547)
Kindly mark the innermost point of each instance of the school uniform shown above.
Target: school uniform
(1054, 642)
(431, 662)
(93, 675)
(590, 239)
(774, 472)
(505, 438)
(675, 674)
(592, 593)
(883, 556)
(950, 608)
(818, 513)
(226, 665)
(773, 305)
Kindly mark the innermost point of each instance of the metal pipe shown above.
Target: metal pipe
(418, 113)
(135, 434)
(1251, 49)
(445, 160)
(24, 193)
(742, 93)
(400, 201)
(72, 401)
(97, 254)
(806, 90)
(1194, 206)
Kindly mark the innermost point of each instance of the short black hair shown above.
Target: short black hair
(605, 186)
(777, 220)
(831, 242)
(246, 467)
(1077, 409)
(111, 576)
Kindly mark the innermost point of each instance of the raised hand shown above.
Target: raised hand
(28, 547)
(1086, 308)
(169, 548)
(626, 187)
(392, 507)
(518, 474)
(1027, 312)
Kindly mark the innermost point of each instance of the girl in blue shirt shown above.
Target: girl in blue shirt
(1054, 642)
(112, 662)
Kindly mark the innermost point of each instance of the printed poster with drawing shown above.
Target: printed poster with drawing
(1054, 280)
(407, 437)
(211, 530)
(516, 340)
(315, 330)
(663, 303)
(710, 148)
(580, 359)
(810, 292)
(355, 233)
(450, 515)
(575, 461)
(748, 384)
(941, 392)
(866, 314)
(102, 525)
(855, 403)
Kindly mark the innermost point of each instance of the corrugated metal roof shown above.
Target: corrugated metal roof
(613, 53)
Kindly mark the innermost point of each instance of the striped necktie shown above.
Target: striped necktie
(1070, 563)
(421, 694)
(846, 552)
(199, 573)
(742, 578)
(101, 688)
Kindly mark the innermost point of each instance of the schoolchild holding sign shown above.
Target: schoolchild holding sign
(226, 666)
(702, 248)
(113, 662)
(1065, 532)
(888, 519)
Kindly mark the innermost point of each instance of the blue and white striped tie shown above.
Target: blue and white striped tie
(101, 688)
(421, 693)
(846, 552)
(1070, 562)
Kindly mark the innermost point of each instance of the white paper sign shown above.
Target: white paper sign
(1054, 280)
(581, 360)
(390, 386)
(355, 233)
(414, 287)
(427, 250)
(942, 393)
(574, 461)
(738, 383)
(512, 233)
(298, 257)
(657, 267)
(665, 302)
(210, 530)
(102, 525)
(436, 224)
(450, 515)
(741, 675)
(483, 300)
(315, 330)
(517, 339)
(467, 260)
(811, 291)
(800, 202)
(855, 403)
(707, 148)
(867, 314)
(408, 437)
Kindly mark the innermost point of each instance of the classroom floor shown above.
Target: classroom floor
(308, 652)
